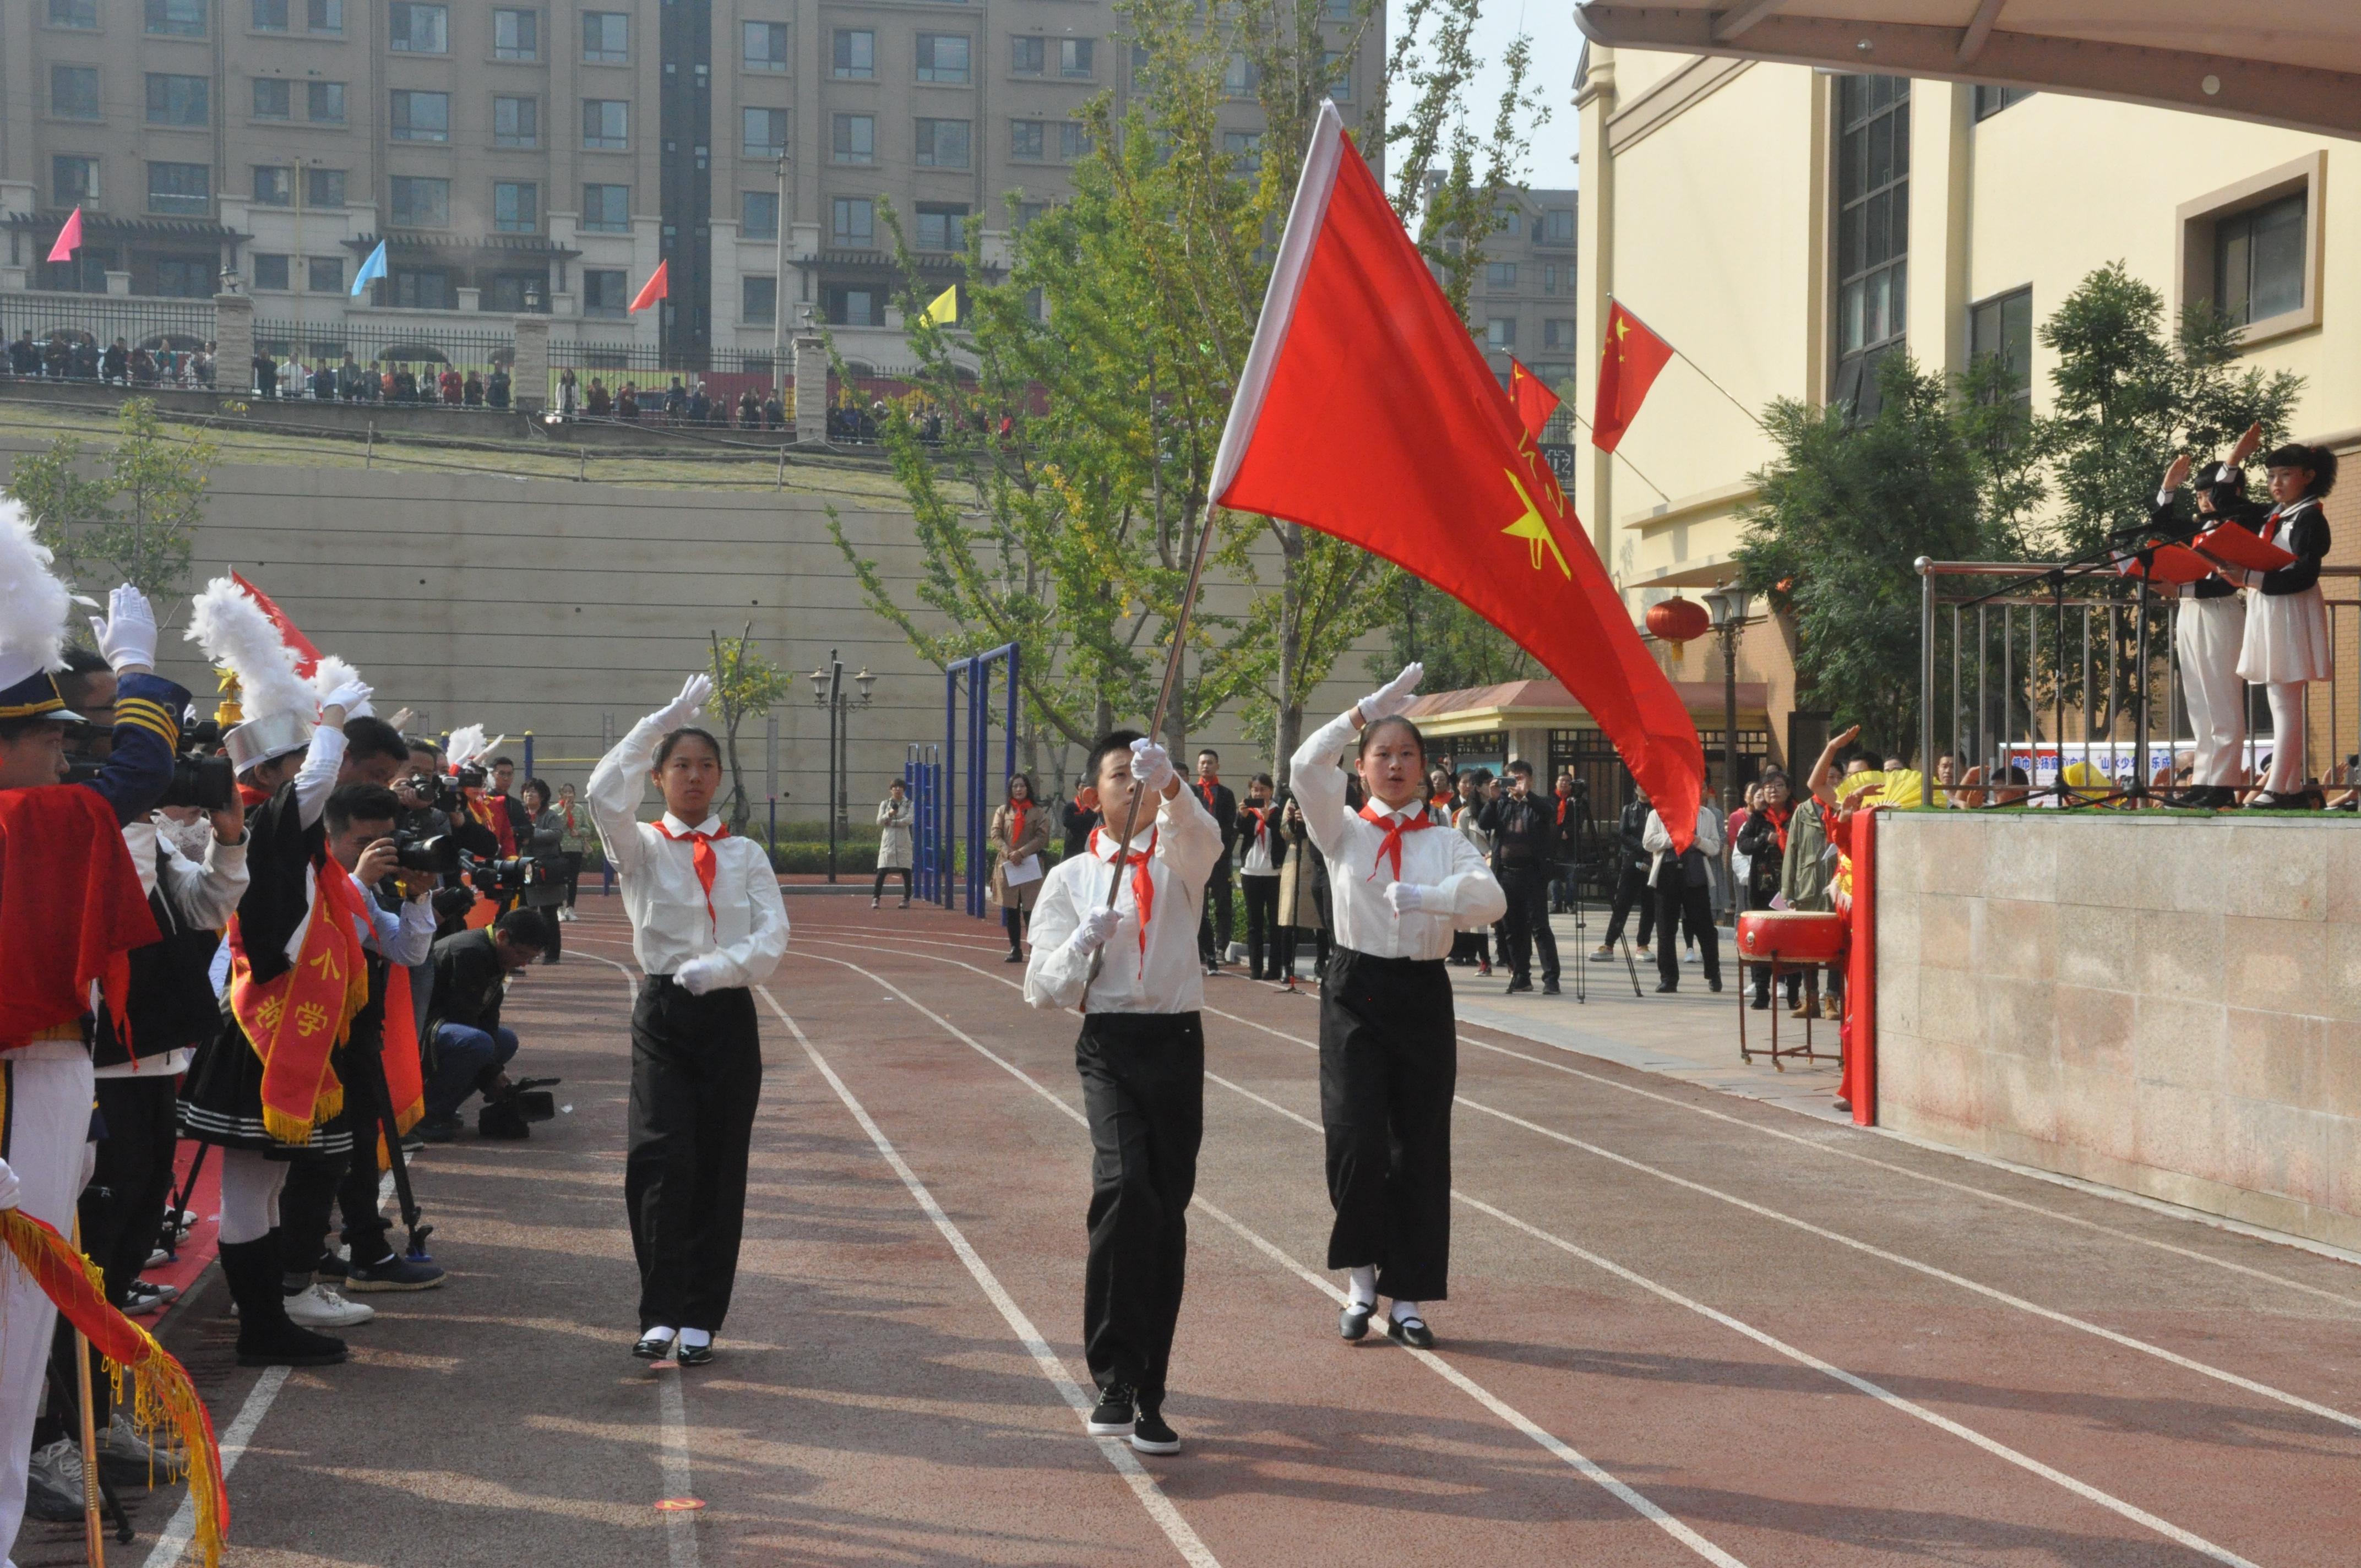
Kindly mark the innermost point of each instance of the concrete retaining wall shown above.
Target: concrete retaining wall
(2170, 1006)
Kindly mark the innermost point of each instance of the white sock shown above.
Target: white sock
(1363, 1291)
(1406, 1311)
(695, 1339)
(657, 1332)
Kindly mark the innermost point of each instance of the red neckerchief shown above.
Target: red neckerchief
(1780, 818)
(249, 797)
(1018, 810)
(705, 862)
(1262, 815)
(1143, 890)
(1206, 790)
(1395, 828)
(1562, 801)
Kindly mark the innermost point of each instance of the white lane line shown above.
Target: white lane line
(1117, 1450)
(1551, 1444)
(1992, 1293)
(183, 1528)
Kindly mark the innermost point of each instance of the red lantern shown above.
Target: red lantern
(1677, 619)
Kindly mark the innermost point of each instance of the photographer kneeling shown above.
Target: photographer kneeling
(469, 1044)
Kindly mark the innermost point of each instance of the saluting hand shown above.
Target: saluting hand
(127, 638)
(685, 707)
(1395, 696)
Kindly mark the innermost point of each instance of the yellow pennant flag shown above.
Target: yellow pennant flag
(943, 310)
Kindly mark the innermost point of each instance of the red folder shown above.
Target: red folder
(2166, 563)
(2241, 548)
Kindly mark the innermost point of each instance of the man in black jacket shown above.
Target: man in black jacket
(1523, 827)
(1632, 879)
(471, 1047)
(1214, 933)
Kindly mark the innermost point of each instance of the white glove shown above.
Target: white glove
(1151, 765)
(1409, 898)
(353, 697)
(7, 1186)
(1394, 696)
(684, 708)
(698, 975)
(1093, 933)
(127, 636)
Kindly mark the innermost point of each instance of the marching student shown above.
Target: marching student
(1262, 855)
(1142, 1060)
(1388, 1045)
(2288, 643)
(708, 925)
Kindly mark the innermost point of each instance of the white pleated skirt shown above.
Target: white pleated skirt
(2287, 639)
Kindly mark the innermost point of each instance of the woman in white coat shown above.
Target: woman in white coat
(894, 845)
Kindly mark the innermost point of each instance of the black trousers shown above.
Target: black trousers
(1682, 904)
(1214, 933)
(347, 1181)
(1631, 888)
(1262, 925)
(1388, 1064)
(1528, 922)
(573, 858)
(696, 1073)
(877, 888)
(1291, 938)
(1144, 1089)
(123, 1207)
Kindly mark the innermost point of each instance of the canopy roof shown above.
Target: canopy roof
(2282, 62)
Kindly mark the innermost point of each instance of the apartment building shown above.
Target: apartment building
(1522, 303)
(545, 157)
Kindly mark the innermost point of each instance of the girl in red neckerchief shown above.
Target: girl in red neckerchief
(1020, 832)
(2288, 643)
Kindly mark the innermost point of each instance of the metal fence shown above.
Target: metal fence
(100, 319)
(2038, 666)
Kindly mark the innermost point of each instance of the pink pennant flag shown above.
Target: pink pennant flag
(69, 238)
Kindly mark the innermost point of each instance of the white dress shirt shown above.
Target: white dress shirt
(1168, 977)
(200, 896)
(747, 931)
(1457, 887)
(1658, 840)
(1256, 861)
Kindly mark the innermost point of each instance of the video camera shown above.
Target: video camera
(434, 853)
(202, 775)
(434, 792)
(541, 882)
(510, 1114)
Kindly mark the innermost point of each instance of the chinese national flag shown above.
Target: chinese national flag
(307, 657)
(1627, 368)
(1365, 411)
(657, 287)
(1536, 401)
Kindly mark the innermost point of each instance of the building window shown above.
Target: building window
(270, 16)
(942, 56)
(1507, 221)
(324, 187)
(1028, 57)
(606, 37)
(606, 124)
(853, 138)
(1873, 202)
(417, 28)
(178, 18)
(326, 274)
(939, 226)
(856, 54)
(1991, 101)
(73, 12)
(605, 292)
(74, 92)
(177, 100)
(185, 276)
(1245, 149)
(1338, 73)
(274, 185)
(421, 289)
(422, 116)
(856, 221)
(1239, 77)
(1074, 140)
(850, 307)
(269, 271)
(758, 299)
(516, 35)
(1500, 332)
(1028, 211)
(324, 15)
(2002, 329)
(422, 202)
(516, 207)
(323, 102)
(73, 180)
(763, 134)
(942, 143)
(1500, 275)
(1554, 226)
(516, 122)
(607, 209)
(1557, 332)
(274, 98)
(185, 188)
(1077, 57)
(2258, 260)
(757, 214)
(1026, 140)
(766, 46)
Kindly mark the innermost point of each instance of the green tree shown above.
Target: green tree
(1459, 648)
(138, 523)
(746, 685)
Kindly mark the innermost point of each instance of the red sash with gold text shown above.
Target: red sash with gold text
(293, 1021)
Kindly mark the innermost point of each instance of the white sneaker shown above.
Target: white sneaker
(317, 1307)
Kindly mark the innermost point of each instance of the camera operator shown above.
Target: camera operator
(1523, 832)
(471, 1047)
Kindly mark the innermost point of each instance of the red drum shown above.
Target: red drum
(1791, 937)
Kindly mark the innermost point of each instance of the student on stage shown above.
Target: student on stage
(1142, 1060)
(1388, 1045)
(2288, 643)
(2211, 629)
(708, 925)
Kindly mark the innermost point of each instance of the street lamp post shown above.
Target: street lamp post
(1728, 609)
(828, 692)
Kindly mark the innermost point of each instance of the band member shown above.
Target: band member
(1388, 1044)
(1142, 1060)
(2211, 629)
(708, 925)
(2288, 639)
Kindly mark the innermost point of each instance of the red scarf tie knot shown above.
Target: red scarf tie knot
(705, 862)
(1395, 828)
(1143, 889)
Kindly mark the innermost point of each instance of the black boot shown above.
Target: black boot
(266, 1336)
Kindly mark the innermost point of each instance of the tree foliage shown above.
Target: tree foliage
(746, 685)
(136, 521)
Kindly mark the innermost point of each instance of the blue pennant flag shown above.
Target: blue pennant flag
(374, 267)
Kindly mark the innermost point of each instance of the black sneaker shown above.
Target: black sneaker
(1517, 985)
(330, 1265)
(1115, 1414)
(437, 1130)
(1150, 1435)
(396, 1273)
(1549, 988)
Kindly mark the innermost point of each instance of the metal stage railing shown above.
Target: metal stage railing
(2039, 665)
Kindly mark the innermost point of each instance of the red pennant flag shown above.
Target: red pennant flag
(307, 657)
(658, 287)
(1628, 367)
(1367, 411)
(69, 238)
(1536, 401)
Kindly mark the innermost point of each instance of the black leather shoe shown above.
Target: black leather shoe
(1413, 1332)
(653, 1347)
(1353, 1323)
(1517, 985)
(1666, 989)
(695, 1355)
(1549, 988)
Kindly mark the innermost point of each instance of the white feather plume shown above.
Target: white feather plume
(329, 673)
(33, 603)
(231, 628)
(468, 743)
